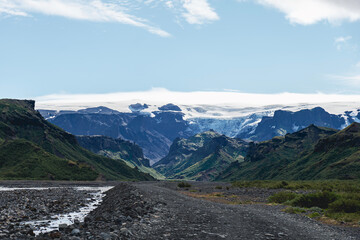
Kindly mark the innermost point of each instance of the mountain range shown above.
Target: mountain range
(33, 148)
(155, 128)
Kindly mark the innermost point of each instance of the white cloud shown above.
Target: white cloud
(193, 11)
(93, 10)
(343, 42)
(198, 12)
(307, 12)
(353, 81)
(357, 65)
(169, 4)
(343, 39)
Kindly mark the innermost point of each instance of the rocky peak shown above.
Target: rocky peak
(353, 128)
(170, 107)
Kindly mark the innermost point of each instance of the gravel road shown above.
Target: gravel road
(185, 217)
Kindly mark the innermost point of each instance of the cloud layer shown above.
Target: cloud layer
(335, 103)
(307, 12)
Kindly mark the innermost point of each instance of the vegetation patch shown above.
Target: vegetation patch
(317, 199)
(330, 201)
(282, 197)
(184, 185)
(294, 210)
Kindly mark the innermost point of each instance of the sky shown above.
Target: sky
(70, 47)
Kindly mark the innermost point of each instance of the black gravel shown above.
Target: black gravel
(158, 210)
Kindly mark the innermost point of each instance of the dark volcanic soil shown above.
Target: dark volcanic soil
(159, 210)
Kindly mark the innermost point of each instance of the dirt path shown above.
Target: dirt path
(183, 217)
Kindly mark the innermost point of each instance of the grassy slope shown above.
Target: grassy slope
(21, 159)
(334, 157)
(18, 121)
(288, 157)
(119, 149)
(132, 164)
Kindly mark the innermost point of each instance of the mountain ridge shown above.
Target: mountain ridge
(322, 154)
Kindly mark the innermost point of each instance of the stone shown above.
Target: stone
(75, 231)
(105, 236)
(62, 226)
(55, 234)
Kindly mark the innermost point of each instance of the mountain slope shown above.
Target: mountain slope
(312, 153)
(32, 148)
(201, 157)
(336, 156)
(119, 149)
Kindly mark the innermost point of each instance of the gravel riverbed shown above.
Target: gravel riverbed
(160, 210)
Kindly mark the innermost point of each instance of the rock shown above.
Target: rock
(269, 235)
(62, 226)
(31, 233)
(105, 236)
(113, 235)
(55, 234)
(75, 232)
(124, 231)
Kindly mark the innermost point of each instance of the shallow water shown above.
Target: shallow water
(43, 226)
(3, 189)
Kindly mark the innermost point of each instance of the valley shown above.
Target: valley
(279, 182)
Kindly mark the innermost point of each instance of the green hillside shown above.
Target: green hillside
(119, 149)
(312, 153)
(201, 157)
(32, 148)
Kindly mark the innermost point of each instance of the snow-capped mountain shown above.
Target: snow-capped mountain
(154, 127)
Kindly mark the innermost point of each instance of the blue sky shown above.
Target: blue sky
(254, 46)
